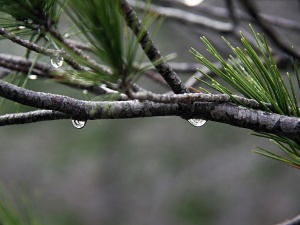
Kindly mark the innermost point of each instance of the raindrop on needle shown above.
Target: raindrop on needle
(197, 122)
(57, 61)
(78, 124)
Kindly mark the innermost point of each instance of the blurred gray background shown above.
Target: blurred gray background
(153, 170)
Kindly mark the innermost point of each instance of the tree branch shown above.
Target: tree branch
(151, 51)
(228, 113)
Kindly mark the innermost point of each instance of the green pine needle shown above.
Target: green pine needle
(254, 74)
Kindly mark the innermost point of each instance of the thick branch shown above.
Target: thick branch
(220, 112)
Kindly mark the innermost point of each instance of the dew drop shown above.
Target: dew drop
(85, 91)
(21, 27)
(78, 124)
(32, 77)
(66, 35)
(197, 122)
(57, 61)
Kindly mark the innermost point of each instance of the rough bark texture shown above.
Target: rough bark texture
(227, 113)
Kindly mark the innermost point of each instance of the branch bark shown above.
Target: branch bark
(227, 113)
(151, 51)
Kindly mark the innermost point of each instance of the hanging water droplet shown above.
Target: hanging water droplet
(85, 91)
(29, 21)
(197, 122)
(78, 124)
(32, 77)
(57, 61)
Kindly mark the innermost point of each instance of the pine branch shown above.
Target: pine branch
(151, 51)
(227, 113)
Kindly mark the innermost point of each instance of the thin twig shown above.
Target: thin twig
(275, 37)
(20, 64)
(183, 15)
(294, 221)
(39, 49)
(32, 117)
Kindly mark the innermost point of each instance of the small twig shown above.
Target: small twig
(32, 117)
(240, 15)
(20, 64)
(39, 49)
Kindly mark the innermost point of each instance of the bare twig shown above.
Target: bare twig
(275, 37)
(194, 97)
(240, 15)
(294, 221)
(183, 15)
(20, 64)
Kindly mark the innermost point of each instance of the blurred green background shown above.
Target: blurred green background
(148, 171)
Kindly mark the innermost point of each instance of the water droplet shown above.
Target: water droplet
(32, 77)
(21, 27)
(29, 21)
(197, 122)
(78, 124)
(66, 35)
(85, 91)
(57, 61)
